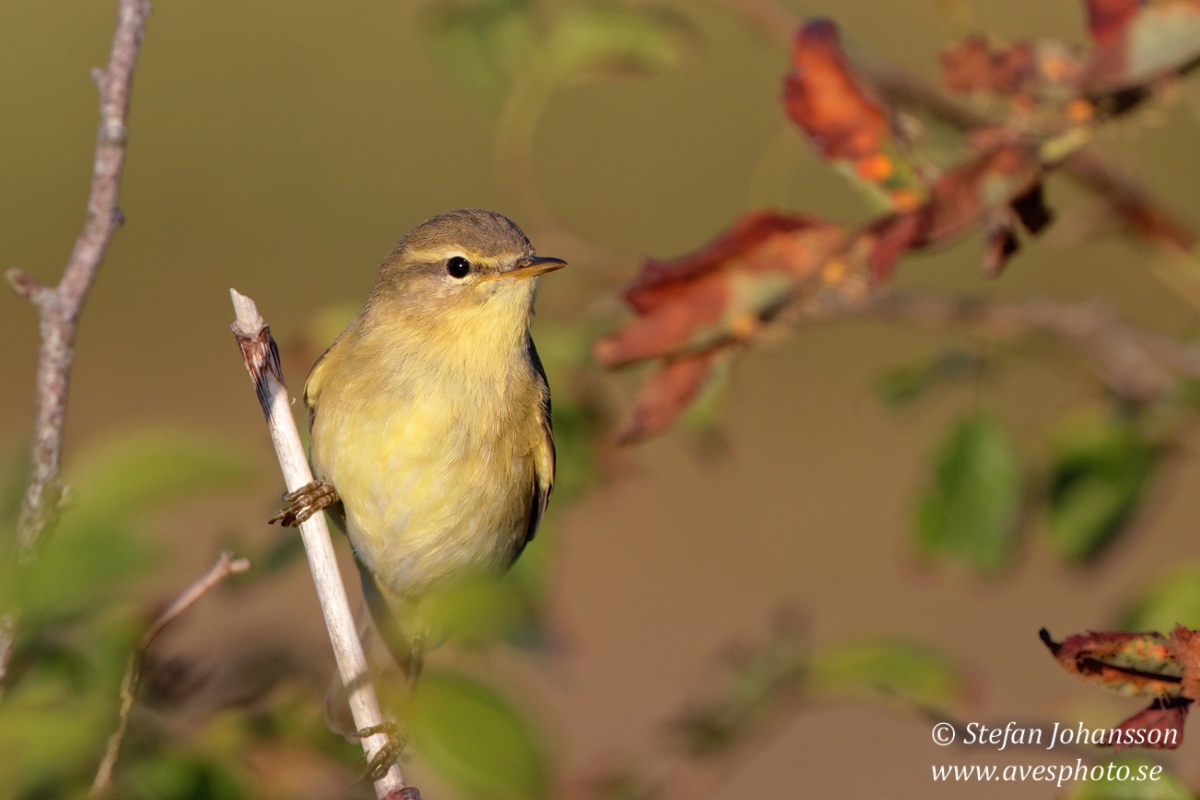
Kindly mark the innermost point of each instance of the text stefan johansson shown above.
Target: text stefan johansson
(1000, 738)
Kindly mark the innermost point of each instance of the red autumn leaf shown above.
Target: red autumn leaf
(1159, 727)
(723, 291)
(1185, 647)
(667, 394)
(1136, 664)
(1107, 19)
(827, 101)
(1006, 176)
(972, 66)
(838, 113)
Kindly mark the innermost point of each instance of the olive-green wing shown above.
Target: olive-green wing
(312, 385)
(543, 455)
(312, 393)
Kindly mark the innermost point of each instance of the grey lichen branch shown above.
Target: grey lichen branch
(262, 361)
(59, 308)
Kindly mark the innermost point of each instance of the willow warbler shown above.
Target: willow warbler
(430, 418)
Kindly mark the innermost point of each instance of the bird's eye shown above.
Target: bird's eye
(458, 267)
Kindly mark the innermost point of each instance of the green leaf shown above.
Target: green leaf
(970, 514)
(1170, 598)
(479, 610)
(78, 572)
(182, 776)
(604, 39)
(55, 718)
(1101, 467)
(481, 46)
(472, 736)
(907, 670)
(1124, 785)
(93, 551)
(142, 471)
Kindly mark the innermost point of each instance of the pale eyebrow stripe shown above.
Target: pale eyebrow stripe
(447, 252)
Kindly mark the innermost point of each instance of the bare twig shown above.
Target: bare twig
(59, 308)
(262, 361)
(226, 565)
(1133, 363)
(1132, 202)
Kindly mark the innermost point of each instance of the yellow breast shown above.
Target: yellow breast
(430, 450)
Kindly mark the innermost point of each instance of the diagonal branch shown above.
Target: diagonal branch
(1132, 202)
(1133, 363)
(226, 565)
(262, 361)
(59, 308)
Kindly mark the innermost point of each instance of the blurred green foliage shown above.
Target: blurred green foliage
(1170, 598)
(785, 670)
(78, 619)
(971, 511)
(1101, 467)
(468, 732)
(905, 670)
(487, 46)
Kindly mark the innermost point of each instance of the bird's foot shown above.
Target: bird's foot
(304, 502)
(382, 761)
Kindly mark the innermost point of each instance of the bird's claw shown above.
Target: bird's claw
(304, 502)
(382, 761)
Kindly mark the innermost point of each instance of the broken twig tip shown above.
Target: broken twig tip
(249, 321)
(25, 285)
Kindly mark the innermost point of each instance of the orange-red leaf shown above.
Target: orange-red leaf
(972, 66)
(667, 394)
(1185, 647)
(1159, 727)
(1135, 664)
(1006, 176)
(827, 101)
(1108, 19)
(721, 292)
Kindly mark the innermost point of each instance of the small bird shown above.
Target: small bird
(430, 419)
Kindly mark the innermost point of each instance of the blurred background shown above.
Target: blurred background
(760, 556)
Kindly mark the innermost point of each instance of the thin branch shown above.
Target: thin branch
(226, 565)
(1132, 202)
(1133, 363)
(262, 361)
(59, 308)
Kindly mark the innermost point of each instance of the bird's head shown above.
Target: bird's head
(463, 263)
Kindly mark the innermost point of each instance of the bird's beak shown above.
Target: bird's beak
(531, 268)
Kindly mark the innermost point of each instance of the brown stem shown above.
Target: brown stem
(1131, 201)
(1133, 363)
(226, 565)
(59, 308)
